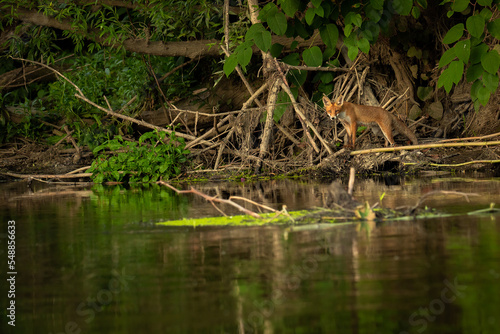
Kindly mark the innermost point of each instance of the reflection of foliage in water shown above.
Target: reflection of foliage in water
(118, 204)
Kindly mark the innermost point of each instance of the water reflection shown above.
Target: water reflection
(96, 263)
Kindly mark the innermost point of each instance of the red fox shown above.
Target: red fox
(351, 115)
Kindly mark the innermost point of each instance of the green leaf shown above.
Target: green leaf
(490, 81)
(447, 57)
(475, 88)
(352, 52)
(282, 103)
(373, 13)
(290, 7)
(491, 61)
(263, 40)
(244, 56)
(486, 14)
(485, 3)
(329, 53)
(347, 30)
(371, 31)
(116, 175)
(364, 45)
(402, 7)
(483, 95)
(459, 5)
(292, 59)
(319, 11)
(377, 4)
(276, 49)
(353, 18)
(265, 11)
(474, 72)
(300, 29)
(326, 77)
(277, 22)
(230, 64)
(297, 77)
(475, 25)
(422, 3)
(494, 28)
(316, 3)
(254, 30)
(415, 12)
(462, 50)
(313, 56)
(477, 52)
(454, 34)
(329, 34)
(451, 75)
(310, 13)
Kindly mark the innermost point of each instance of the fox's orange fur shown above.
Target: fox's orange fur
(351, 115)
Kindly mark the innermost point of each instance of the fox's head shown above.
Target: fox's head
(333, 108)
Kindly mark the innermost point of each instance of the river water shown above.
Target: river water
(93, 260)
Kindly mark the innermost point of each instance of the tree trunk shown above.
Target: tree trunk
(268, 127)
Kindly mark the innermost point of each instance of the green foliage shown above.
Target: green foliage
(33, 124)
(361, 25)
(99, 75)
(154, 20)
(41, 44)
(145, 161)
(454, 34)
(471, 55)
(313, 56)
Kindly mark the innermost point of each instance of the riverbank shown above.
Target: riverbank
(35, 160)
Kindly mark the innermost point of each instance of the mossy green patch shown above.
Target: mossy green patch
(320, 217)
(239, 220)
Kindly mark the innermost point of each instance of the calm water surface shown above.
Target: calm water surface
(92, 260)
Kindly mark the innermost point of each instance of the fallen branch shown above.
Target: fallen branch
(47, 176)
(254, 203)
(456, 165)
(78, 170)
(212, 199)
(470, 138)
(320, 69)
(423, 146)
(139, 122)
(441, 192)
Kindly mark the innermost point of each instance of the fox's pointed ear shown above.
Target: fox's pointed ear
(326, 101)
(339, 101)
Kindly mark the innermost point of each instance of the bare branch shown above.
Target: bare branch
(211, 199)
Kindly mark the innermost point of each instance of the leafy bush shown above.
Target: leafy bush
(145, 161)
(119, 78)
(471, 55)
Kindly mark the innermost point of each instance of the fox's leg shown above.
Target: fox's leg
(387, 131)
(352, 134)
(347, 137)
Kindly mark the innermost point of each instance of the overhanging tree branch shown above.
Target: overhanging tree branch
(190, 49)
